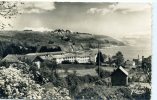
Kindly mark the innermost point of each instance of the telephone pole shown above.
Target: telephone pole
(98, 59)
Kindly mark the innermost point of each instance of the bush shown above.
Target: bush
(76, 62)
(145, 96)
(66, 62)
(88, 93)
(73, 82)
(60, 82)
(102, 73)
(4, 64)
(88, 79)
(126, 92)
(52, 65)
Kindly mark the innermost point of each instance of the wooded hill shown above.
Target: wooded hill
(28, 41)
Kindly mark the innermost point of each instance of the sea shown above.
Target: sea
(130, 51)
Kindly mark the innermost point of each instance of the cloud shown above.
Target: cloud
(37, 7)
(99, 11)
(123, 8)
(126, 8)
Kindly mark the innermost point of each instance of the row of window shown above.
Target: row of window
(72, 60)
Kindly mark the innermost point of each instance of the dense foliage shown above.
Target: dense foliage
(16, 84)
(118, 59)
(102, 73)
(99, 58)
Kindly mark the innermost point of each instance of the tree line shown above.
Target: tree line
(116, 60)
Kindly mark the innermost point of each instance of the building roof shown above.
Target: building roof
(123, 70)
(71, 55)
(19, 58)
(46, 53)
(32, 57)
(11, 58)
(58, 56)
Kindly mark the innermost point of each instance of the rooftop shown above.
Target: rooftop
(123, 70)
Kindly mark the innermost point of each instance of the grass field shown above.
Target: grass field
(80, 69)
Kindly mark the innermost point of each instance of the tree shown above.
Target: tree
(88, 93)
(102, 73)
(66, 62)
(76, 62)
(73, 82)
(118, 59)
(8, 10)
(99, 58)
(110, 61)
(105, 57)
(146, 67)
(52, 65)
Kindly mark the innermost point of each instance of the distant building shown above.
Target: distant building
(27, 30)
(137, 61)
(119, 77)
(130, 64)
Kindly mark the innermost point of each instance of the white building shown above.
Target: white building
(71, 57)
(80, 57)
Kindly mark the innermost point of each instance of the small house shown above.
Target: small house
(119, 77)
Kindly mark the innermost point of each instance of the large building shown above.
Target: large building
(82, 58)
(59, 57)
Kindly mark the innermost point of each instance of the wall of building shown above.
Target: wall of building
(119, 79)
(38, 63)
(72, 59)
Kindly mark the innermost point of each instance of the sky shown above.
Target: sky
(113, 19)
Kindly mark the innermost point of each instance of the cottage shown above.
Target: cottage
(119, 77)
(20, 59)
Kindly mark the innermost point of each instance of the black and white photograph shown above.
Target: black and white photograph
(75, 50)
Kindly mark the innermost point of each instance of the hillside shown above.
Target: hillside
(58, 40)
